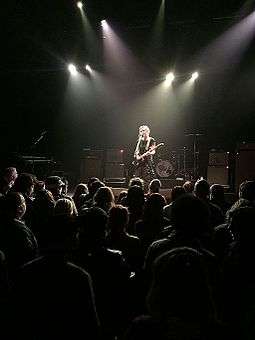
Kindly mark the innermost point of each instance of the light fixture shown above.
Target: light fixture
(169, 78)
(194, 76)
(104, 24)
(72, 69)
(88, 68)
(79, 4)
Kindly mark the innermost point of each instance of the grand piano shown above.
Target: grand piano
(41, 166)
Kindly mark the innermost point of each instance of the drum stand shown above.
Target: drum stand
(195, 153)
(183, 170)
(184, 162)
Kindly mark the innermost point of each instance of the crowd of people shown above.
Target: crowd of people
(90, 265)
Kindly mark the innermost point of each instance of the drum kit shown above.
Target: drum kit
(174, 165)
(181, 163)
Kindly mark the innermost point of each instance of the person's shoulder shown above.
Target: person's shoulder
(159, 243)
(132, 239)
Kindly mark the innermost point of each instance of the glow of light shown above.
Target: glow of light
(79, 4)
(194, 76)
(104, 24)
(169, 78)
(72, 69)
(88, 68)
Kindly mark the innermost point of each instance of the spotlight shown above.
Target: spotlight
(72, 69)
(104, 24)
(194, 76)
(169, 78)
(88, 68)
(79, 4)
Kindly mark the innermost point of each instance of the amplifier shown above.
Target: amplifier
(90, 167)
(92, 153)
(218, 158)
(114, 155)
(245, 167)
(218, 175)
(114, 170)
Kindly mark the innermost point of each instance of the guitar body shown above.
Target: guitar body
(137, 163)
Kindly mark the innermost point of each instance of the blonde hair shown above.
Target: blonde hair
(64, 206)
(144, 127)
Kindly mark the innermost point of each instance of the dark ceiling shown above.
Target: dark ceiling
(40, 37)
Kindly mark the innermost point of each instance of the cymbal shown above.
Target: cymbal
(194, 134)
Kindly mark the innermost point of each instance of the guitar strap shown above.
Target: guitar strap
(148, 144)
(137, 146)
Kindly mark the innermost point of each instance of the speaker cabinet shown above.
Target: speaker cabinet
(218, 158)
(90, 167)
(114, 170)
(245, 166)
(114, 155)
(218, 175)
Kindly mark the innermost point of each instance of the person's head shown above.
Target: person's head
(7, 179)
(39, 186)
(10, 174)
(144, 131)
(154, 186)
(241, 224)
(64, 207)
(188, 186)
(94, 186)
(190, 215)
(80, 189)
(135, 197)
(247, 190)
(104, 198)
(154, 205)
(14, 205)
(118, 218)
(217, 192)
(55, 185)
(202, 189)
(25, 184)
(65, 186)
(176, 192)
(92, 180)
(136, 181)
(43, 204)
(62, 231)
(122, 196)
(180, 286)
(92, 226)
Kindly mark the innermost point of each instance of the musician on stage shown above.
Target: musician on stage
(144, 151)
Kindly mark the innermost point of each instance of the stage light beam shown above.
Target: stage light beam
(72, 69)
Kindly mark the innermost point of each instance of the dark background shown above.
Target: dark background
(41, 37)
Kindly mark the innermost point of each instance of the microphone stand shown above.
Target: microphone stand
(38, 139)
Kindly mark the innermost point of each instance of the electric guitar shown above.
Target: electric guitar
(139, 159)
